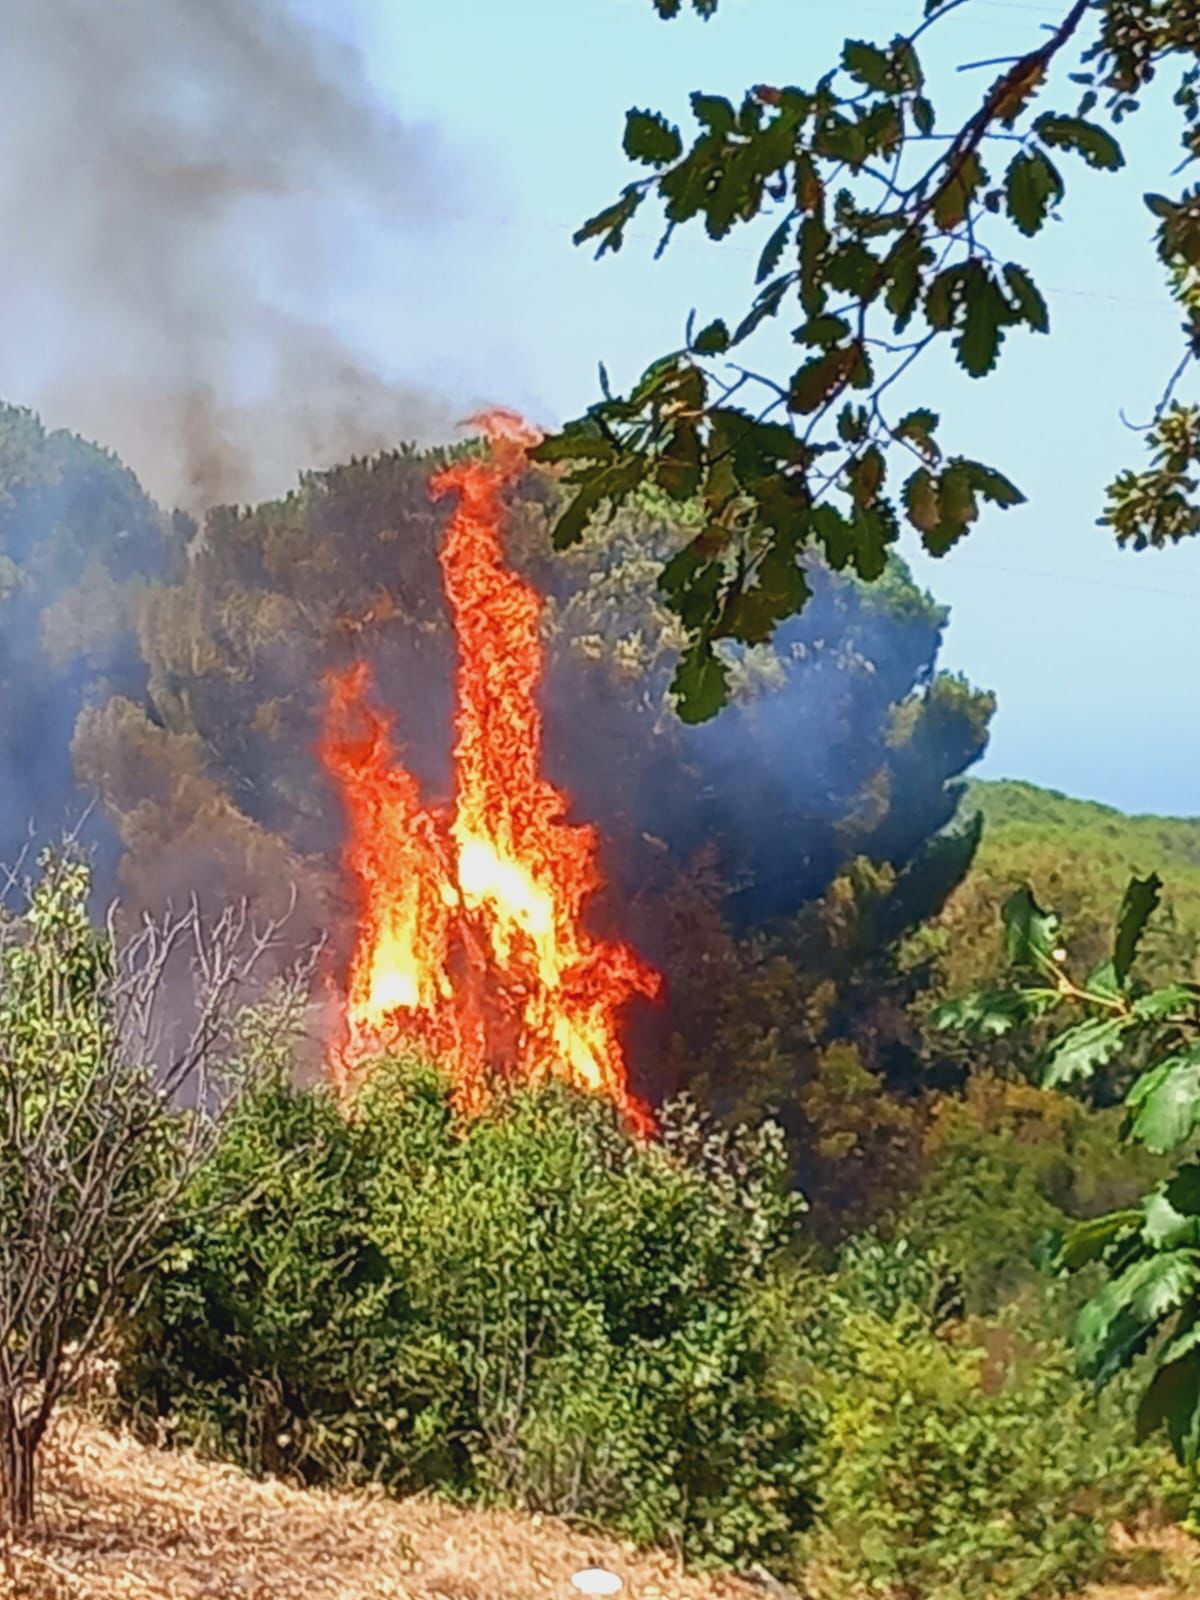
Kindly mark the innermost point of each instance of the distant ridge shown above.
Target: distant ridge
(1012, 799)
(1077, 856)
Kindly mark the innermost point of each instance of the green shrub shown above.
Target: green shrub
(957, 1460)
(1006, 1164)
(534, 1308)
(530, 1307)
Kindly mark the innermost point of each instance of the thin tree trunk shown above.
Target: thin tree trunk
(18, 1470)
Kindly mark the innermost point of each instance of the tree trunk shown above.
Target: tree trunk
(18, 1470)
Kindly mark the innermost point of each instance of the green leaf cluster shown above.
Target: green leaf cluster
(883, 240)
(958, 1462)
(1150, 1299)
(1157, 506)
(808, 471)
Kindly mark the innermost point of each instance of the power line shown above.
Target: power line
(1043, 11)
(1029, 7)
(1074, 579)
(1141, 302)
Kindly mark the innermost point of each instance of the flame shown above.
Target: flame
(470, 936)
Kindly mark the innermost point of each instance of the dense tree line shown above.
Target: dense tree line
(771, 863)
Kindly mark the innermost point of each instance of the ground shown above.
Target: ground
(123, 1521)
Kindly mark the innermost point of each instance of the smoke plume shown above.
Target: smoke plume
(193, 193)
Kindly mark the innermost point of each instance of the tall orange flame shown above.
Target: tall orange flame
(470, 938)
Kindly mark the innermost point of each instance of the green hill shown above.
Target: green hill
(1017, 813)
(1077, 856)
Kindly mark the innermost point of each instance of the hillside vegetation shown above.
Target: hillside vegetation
(1076, 856)
(1095, 843)
(806, 1328)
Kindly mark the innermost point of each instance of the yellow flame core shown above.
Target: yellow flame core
(487, 877)
(520, 904)
(576, 1050)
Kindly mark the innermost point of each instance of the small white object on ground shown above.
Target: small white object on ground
(596, 1580)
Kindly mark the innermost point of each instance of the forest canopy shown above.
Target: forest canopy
(796, 841)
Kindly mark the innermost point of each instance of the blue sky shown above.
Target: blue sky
(1088, 648)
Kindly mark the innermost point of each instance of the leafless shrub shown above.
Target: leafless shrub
(121, 1055)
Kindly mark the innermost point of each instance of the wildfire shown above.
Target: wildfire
(470, 938)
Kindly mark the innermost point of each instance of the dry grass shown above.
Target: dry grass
(1167, 1560)
(120, 1519)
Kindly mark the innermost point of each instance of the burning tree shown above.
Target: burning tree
(470, 938)
(844, 744)
(114, 1081)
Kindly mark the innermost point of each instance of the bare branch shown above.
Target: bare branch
(119, 1064)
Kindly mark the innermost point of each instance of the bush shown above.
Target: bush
(957, 1460)
(1005, 1165)
(530, 1307)
(534, 1308)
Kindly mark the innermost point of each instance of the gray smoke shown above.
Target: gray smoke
(189, 191)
